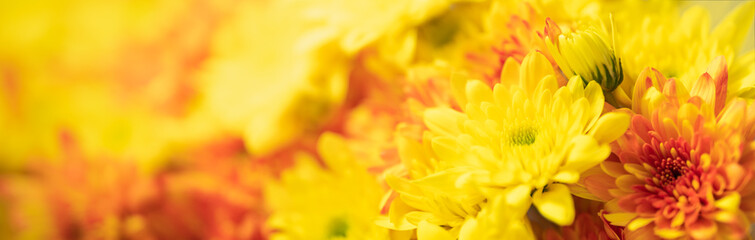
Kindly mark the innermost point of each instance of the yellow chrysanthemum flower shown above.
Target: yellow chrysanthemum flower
(523, 142)
(652, 34)
(339, 201)
(301, 54)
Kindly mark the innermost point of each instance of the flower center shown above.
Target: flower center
(338, 227)
(523, 136)
(670, 169)
(670, 159)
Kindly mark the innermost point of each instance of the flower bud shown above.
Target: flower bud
(584, 53)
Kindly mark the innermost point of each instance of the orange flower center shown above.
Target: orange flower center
(669, 169)
(669, 159)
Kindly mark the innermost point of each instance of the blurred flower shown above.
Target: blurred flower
(304, 66)
(79, 197)
(215, 194)
(338, 200)
(682, 169)
(211, 192)
(123, 84)
(651, 34)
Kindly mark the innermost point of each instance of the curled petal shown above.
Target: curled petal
(555, 204)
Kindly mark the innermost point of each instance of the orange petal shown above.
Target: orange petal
(628, 202)
(641, 126)
(642, 233)
(552, 30)
(612, 168)
(734, 114)
(649, 77)
(702, 229)
(677, 94)
(626, 182)
(638, 223)
(705, 88)
(640, 87)
(717, 70)
(734, 174)
(599, 184)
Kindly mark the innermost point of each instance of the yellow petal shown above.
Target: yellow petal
(649, 79)
(610, 127)
(404, 225)
(594, 95)
(576, 86)
(458, 88)
(468, 230)
(637, 223)
(733, 29)
(613, 169)
(446, 148)
(555, 204)
(669, 233)
(637, 170)
(705, 88)
(723, 216)
(334, 151)
(518, 195)
(584, 153)
(396, 214)
(416, 217)
(678, 220)
(695, 22)
(702, 229)
(402, 185)
(478, 92)
(547, 83)
(566, 177)
(428, 231)
(501, 95)
(652, 99)
(718, 70)
(625, 182)
(620, 219)
(729, 203)
(733, 114)
(510, 72)
(443, 121)
(535, 66)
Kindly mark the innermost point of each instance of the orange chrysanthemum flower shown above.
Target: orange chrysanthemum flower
(76, 197)
(685, 164)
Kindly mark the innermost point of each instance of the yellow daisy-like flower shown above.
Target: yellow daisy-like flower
(520, 143)
(336, 202)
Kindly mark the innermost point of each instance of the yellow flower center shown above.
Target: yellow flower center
(522, 136)
(338, 227)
